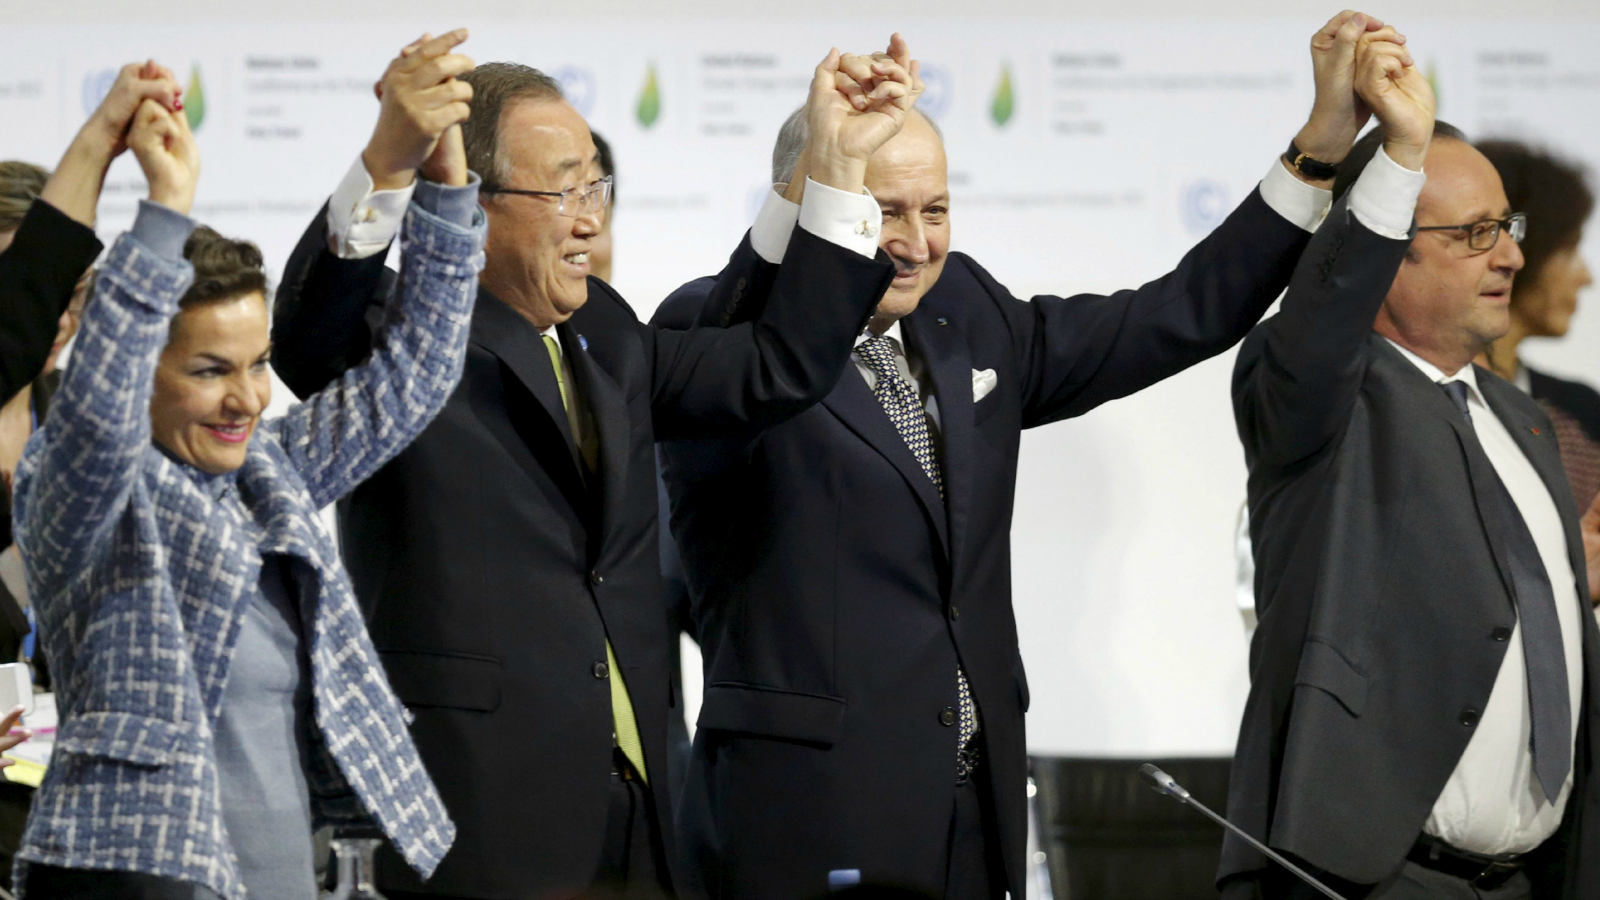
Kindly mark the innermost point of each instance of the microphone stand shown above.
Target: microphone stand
(1162, 783)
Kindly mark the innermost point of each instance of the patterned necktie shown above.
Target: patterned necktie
(624, 727)
(1549, 703)
(900, 400)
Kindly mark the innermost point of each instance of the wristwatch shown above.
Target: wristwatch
(1315, 169)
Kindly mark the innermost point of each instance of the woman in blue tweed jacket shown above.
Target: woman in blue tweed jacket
(219, 694)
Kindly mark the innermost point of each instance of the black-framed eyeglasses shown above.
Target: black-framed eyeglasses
(575, 201)
(1485, 234)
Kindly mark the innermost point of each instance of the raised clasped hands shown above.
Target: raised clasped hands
(165, 147)
(1338, 113)
(74, 187)
(1388, 81)
(136, 83)
(857, 103)
(423, 106)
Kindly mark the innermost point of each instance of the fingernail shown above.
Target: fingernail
(177, 106)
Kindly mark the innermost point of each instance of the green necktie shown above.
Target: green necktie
(625, 726)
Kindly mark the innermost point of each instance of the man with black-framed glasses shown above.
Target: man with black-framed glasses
(507, 560)
(1423, 716)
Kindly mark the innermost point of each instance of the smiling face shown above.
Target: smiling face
(537, 260)
(213, 382)
(909, 178)
(1448, 301)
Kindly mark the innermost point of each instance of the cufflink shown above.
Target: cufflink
(865, 229)
(369, 215)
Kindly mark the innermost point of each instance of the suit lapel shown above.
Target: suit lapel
(609, 409)
(1480, 472)
(947, 362)
(1545, 457)
(518, 345)
(852, 401)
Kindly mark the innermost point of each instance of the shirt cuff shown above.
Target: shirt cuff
(163, 229)
(853, 221)
(1300, 203)
(1385, 197)
(769, 236)
(362, 222)
(452, 204)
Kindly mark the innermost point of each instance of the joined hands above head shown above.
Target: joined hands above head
(1388, 82)
(856, 104)
(74, 186)
(164, 145)
(419, 125)
(1339, 112)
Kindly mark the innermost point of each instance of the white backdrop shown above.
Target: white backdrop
(1084, 156)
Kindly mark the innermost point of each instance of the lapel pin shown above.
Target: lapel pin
(583, 342)
(943, 321)
(1534, 429)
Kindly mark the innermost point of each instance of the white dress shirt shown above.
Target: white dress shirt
(1492, 803)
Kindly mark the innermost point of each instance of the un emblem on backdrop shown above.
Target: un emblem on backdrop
(96, 85)
(579, 86)
(1203, 204)
(937, 89)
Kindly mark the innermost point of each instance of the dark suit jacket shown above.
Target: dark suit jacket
(834, 590)
(38, 272)
(1378, 587)
(493, 567)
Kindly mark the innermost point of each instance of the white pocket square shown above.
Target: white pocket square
(983, 381)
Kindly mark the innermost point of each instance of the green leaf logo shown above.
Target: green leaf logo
(1004, 103)
(649, 108)
(194, 100)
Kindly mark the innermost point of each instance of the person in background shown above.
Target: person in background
(1557, 199)
(20, 186)
(219, 695)
(600, 248)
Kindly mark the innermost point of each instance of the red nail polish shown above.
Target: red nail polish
(177, 106)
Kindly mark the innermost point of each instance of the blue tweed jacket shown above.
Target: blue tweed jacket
(140, 576)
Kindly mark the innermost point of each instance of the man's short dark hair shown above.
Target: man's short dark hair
(1366, 148)
(1553, 192)
(494, 85)
(608, 166)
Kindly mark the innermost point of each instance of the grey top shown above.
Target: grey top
(260, 742)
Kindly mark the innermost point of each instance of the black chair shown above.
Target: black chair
(1107, 836)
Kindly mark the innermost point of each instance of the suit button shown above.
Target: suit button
(601, 670)
(1501, 634)
(596, 578)
(1469, 717)
(954, 613)
(948, 717)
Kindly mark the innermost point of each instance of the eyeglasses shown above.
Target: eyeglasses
(575, 201)
(1485, 234)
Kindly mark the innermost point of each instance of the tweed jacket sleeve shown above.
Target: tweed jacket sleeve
(81, 468)
(341, 435)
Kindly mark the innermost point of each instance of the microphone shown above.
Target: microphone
(1162, 783)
